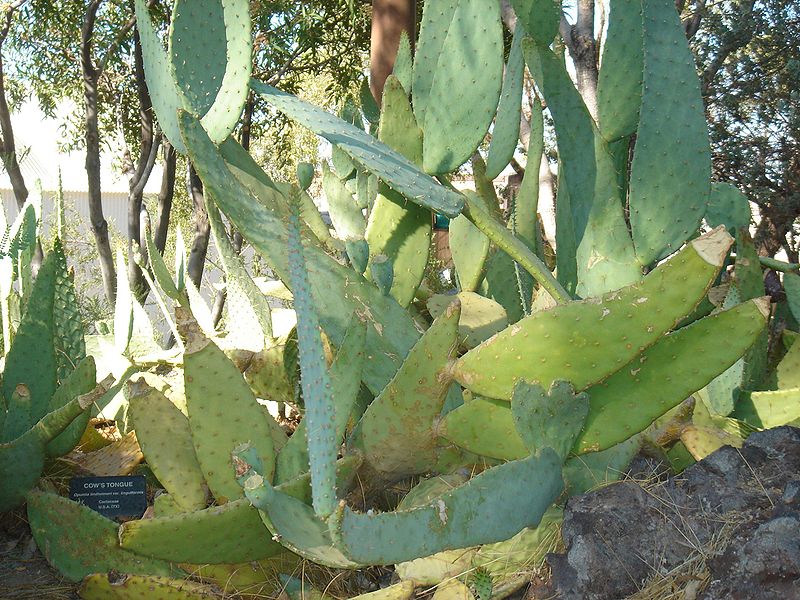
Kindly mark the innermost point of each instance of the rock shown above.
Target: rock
(739, 506)
(759, 564)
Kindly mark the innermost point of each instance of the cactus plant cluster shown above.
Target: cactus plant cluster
(48, 382)
(496, 403)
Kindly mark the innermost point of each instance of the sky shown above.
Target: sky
(37, 140)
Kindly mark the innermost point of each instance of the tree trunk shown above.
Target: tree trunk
(8, 145)
(389, 19)
(165, 197)
(136, 183)
(91, 76)
(583, 49)
(202, 229)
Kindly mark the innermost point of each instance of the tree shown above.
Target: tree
(89, 53)
(747, 54)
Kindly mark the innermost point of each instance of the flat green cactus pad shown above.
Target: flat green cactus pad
(485, 427)
(166, 440)
(584, 342)
(791, 283)
(594, 469)
(470, 249)
(729, 206)
(505, 134)
(70, 346)
(619, 85)
(108, 586)
(249, 322)
(635, 396)
(31, 361)
(345, 375)
(770, 409)
(670, 176)
(485, 509)
(231, 533)
(604, 251)
(539, 17)
(223, 414)
(548, 419)
(77, 541)
(480, 319)
(470, 48)
(80, 381)
(164, 92)
(397, 431)
(295, 525)
(391, 166)
(22, 459)
(398, 229)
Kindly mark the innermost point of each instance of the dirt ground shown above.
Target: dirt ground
(24, 572)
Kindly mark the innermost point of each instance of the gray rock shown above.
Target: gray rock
(618, 537)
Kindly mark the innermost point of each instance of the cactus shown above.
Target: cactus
(404, 64)
(549, 419)
(509, 110)
(480, 318)
(466, 516)
(48, 382)
(213, 82)
(249, 321)
(390, 331)
(397, 430)
(470, 249)
(345, 376)
(636, 395)
(166, 439)
(234, 528)
(397, 229)
(603, 248)
(320, 430)
(215, 387)
(378, 158)
(515, 397)
(127, 587)
(636, 316)
(727, 206)
(668, 197)
(78, 541)
(619, 86)
(454, 130)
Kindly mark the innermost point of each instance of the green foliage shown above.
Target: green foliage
(539, 391)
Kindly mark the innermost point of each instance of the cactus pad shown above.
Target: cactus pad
(223, 413)
(77, 541)
(397, 228)
(483, 510)
(166, 440)
(397, 430)
(392, 167)
(134, 587)
(671, 170)
(471, 50)
(551, 419)
(635, 396)
(219, 534)
(584, 342)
